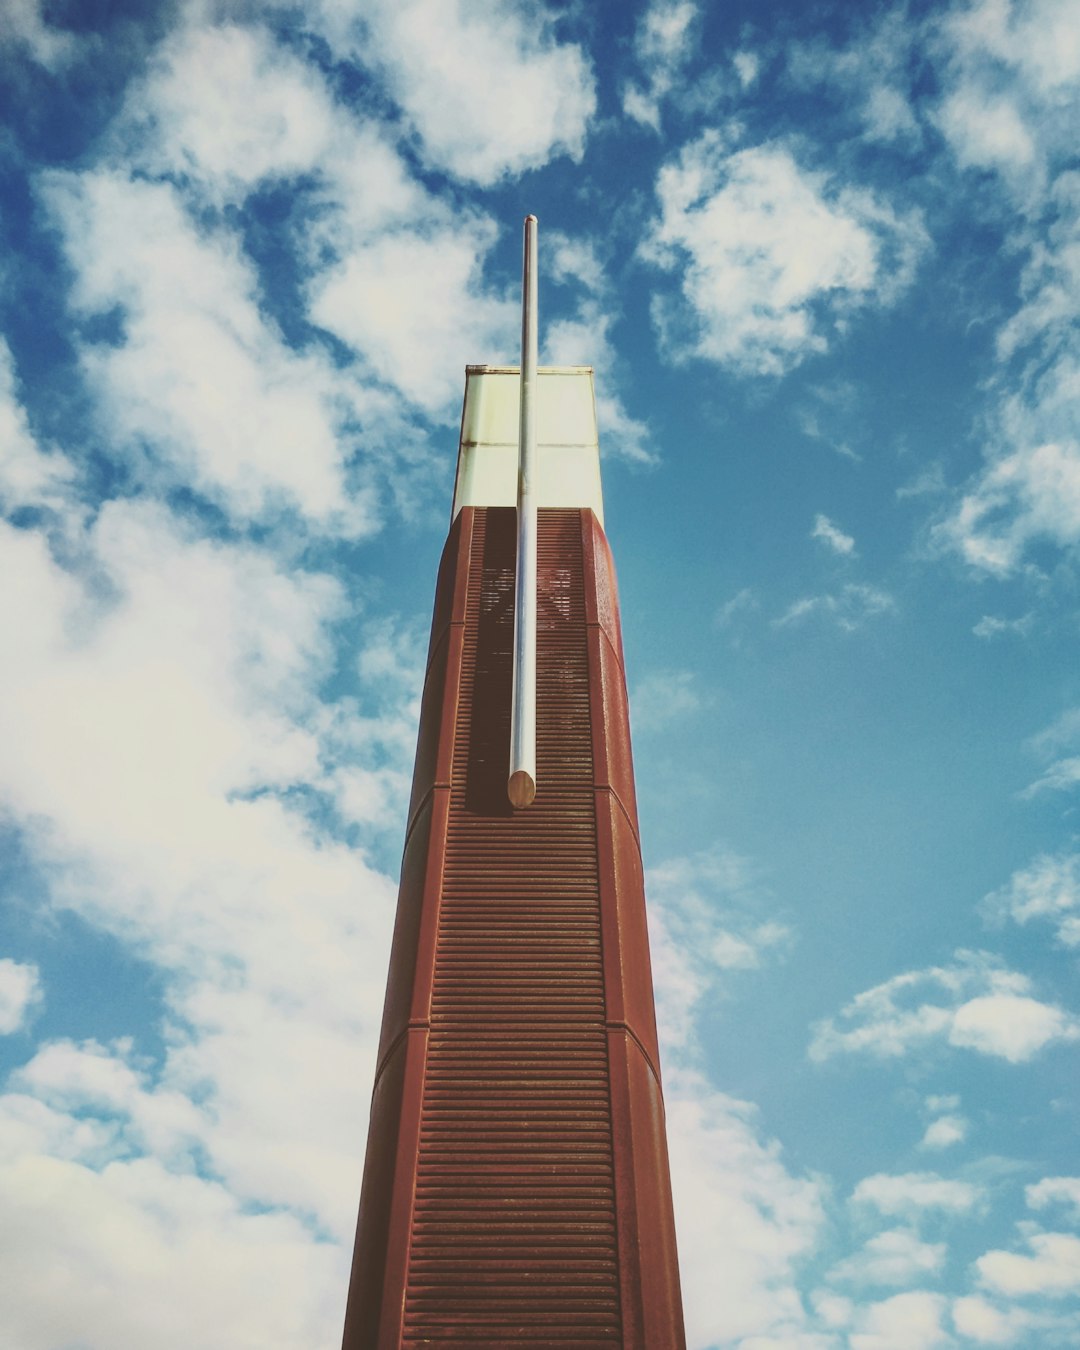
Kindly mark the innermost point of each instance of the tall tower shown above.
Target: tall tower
(516, 1188)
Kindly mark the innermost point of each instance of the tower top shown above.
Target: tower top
(567, 446)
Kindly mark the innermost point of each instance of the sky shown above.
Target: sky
(825, 259)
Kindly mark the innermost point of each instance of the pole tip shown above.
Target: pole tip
(521, 788)
(530, 220)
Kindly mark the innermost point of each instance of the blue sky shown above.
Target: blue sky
(826, 262)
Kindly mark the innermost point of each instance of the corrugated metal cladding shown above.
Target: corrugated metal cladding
(516, 1188)
(513, 1238)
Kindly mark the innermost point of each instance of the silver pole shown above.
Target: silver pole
(521, 785)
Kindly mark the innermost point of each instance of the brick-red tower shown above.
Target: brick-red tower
(516, 1188)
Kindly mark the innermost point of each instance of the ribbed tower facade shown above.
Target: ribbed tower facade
(516, 1188)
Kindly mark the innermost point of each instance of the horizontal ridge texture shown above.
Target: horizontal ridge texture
(513, 1232)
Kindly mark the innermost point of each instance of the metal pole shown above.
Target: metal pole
(521, 785)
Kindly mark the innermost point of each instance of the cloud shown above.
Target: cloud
(741, 603)
(848, 608)
(1028, 494)
(744, 1221)
(22, 24)
(584, 339)
(976, 1003)
(992, 626)
(909, 1321)
(411, 303)
(1051, 1267)
(896, 1256)
(832, 537)
(1047, 889)
(1010, 78)
(534, 100)
(192, 817)
(200, 387)
(990, 1323)
(1055, 1191)
(662, 44)
(106, 1244)
(914, 1192)
(772, 258)
(662, 697)
(703, 919)
(225, 109)
(870, 75)
(20, 991)
(29, 476)
(944, 1132)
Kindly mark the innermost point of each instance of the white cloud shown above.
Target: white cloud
(20, 990)
(747, 66)
(28, 475)
(585, 339)
(225, 109)
(832, 536)
(944, 1132)
(976, 1003)
(896, 1256)
(1055, 1191)
(988, 1324)
(909, 1321)
(200, 378)
(1028, 494)
(170, 819)
(135, 1254)
(772, 257)
(703, 919)
(414, 306)
(1052, 1268)
(848, 608)
(662, 43)
(662, 697)
(914, 1192)
(992, 626)
(490, 93)
(22, 24)
(1010, 78)
(744, 1221)
(1047, 889)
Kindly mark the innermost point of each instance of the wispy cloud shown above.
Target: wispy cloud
(849, 608)
(832, 536)
(976, 1003)
(662, 697)
(704, 919)
(662, 43)
(993, 626)
(1048, 889)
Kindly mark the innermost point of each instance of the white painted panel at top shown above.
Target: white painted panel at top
(568, 452)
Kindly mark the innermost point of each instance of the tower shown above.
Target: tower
(516, 1188)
